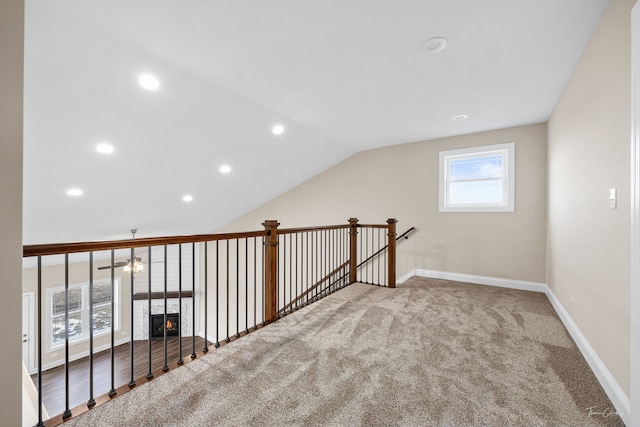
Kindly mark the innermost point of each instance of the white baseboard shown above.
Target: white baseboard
(406, 277)
(82, 354)
(615, 393)
(483, 280)
(618, 397)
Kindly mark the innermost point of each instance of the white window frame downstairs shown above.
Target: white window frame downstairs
(503, 178)
(83, 311)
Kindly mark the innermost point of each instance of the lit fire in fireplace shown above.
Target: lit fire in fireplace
(162, 324)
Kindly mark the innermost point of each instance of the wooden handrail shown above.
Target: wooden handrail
(321, 281)
(305, 229)
(76, 247)
(69, 248)
(385, 247)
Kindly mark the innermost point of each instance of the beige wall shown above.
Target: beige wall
(589, 152)
(11, 83)
(402, 182)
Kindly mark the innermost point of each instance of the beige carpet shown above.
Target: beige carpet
(429, 353)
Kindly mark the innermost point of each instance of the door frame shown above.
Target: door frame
(634, 398)
(31, 361)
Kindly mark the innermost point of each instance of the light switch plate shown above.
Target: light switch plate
(613, 198)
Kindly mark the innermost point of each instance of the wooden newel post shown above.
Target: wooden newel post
(271, 271)
(353, 250)
(391, 268)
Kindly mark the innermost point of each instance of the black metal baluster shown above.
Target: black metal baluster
(386, 254)
(371, 252)
(342, 257)
(262, 258)
(314, 262)
(132, 380)
(367, 264)
(303, 277)
(346, 255)
(309, 272)
(321, 263)
(165, 368)
(378, 258)
(365, 256)
(326, 258)
(67, 411)
(327, 262)
(180, 360)
(309, 269)
(193, 301)
(290, 273)
(227, 339)
(283, 257)
(237, 288)
(39, 322)
(205, 349)
(317, 265)
(92, 402)
(113, 391)
(360, 256)
(298, 279)
(372, 259)
(149, 323)
(333, 255)
(246, 285)
(338, 258)
(366, 244)
(255, 282)
(217, 343)
(332, 261)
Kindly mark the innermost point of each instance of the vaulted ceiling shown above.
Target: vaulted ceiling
(340, 76)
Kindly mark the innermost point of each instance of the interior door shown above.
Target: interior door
(27, 330)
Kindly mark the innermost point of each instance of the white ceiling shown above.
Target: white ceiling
(341, 75)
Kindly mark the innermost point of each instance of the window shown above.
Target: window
(79, 311)
(479, 179)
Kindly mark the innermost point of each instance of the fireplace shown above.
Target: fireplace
(158, 325)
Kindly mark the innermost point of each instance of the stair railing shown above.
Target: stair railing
(193, 292)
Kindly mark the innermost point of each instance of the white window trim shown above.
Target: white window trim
(50, 346)
(445, 156)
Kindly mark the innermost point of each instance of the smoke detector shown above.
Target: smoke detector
(434, 44)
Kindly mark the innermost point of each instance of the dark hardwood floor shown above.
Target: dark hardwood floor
(53, 380)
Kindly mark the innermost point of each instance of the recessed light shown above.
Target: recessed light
(459, 117)
(104, 148)
(187, 198)
(74, 192)
(149, 82)
(225, 169)
(277, 130)
(434, 44)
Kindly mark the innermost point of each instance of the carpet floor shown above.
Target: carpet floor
(428, 353)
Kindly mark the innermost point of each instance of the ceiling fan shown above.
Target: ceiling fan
(138, 265)
(134, 264)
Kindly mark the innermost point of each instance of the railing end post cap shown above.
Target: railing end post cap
(392, 221)
(271, 223)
